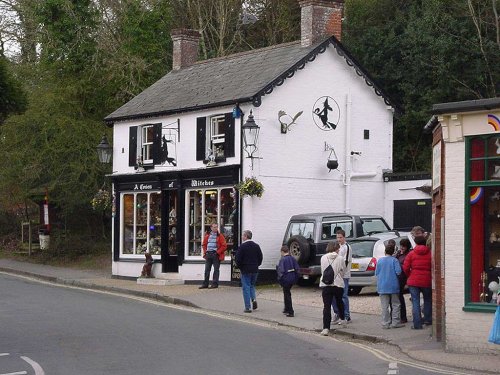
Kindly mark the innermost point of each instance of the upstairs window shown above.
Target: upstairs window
(215, 136)
(146, 143)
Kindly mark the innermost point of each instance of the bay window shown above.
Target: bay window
(482, 240)
(205, 207)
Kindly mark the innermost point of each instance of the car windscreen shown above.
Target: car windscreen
(374, 225)
(305, 229)
(362, 249)
(329, 228)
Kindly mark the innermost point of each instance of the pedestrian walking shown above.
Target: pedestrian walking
(404, 249)
(248, 258)
(417, 267)
(214, 247)
(387, 272)
(288, 275)
(346, 253)
(332, 286)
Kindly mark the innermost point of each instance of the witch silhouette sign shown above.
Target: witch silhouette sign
(326, 113)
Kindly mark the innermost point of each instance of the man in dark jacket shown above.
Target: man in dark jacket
(248, 259)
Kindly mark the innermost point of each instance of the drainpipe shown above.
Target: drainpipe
(347, 154)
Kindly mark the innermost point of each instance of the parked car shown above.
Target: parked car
(308, 234)
(366, 251)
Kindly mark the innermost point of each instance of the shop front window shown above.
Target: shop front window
(482, 217)
(205, 207)
(141, 223)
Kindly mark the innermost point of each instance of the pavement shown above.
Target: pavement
(307, 302)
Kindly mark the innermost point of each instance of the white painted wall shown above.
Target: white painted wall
(186, 148)
(293, 165)
(465, 331)
(293, 169)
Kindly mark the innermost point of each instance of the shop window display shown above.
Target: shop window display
(207, 206)
(483, 216)
(141, 231)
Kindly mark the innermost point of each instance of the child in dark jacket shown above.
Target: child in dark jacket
(288, 275)
(404, 249)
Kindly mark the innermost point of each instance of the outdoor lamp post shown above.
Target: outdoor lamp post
(104, 150)
(250, 137)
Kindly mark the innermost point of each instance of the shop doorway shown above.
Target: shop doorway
(411, 212)
(170, 252)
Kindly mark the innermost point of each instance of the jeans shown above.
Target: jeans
(390, 306)
(329, 294)
(212, 258)
(345, 300)
(415, 300)
(248, 281)
(287, 296)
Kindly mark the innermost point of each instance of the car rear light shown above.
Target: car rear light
(372, 265)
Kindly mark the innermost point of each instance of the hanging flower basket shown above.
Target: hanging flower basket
(101, 201)
(250, 187)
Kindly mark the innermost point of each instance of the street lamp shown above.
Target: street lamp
(250, 137)
(104, 150)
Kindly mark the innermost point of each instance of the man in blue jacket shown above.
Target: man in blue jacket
(248, 259)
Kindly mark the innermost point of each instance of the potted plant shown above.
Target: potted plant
(250, 187)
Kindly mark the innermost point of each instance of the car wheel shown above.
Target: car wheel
(354, 290)
(299, 248)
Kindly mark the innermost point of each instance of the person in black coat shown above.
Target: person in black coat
(248, 258)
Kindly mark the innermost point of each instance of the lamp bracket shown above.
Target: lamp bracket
(328, 147)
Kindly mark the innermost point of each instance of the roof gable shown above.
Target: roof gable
(238, 78)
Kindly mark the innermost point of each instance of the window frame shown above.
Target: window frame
(214, 137)
(469, 305)
(145, 146)
(203, 225)
(135, 225)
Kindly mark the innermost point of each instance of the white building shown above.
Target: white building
(178, 149)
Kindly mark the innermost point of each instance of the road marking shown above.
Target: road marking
(16, 373)
(4, 354)
(386, 357)
(36, 367)
(229, 316)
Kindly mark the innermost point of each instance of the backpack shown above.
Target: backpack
(328, 275)
(288, 271)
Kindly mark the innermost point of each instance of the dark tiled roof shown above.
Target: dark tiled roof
(237, 78)
(466, 106)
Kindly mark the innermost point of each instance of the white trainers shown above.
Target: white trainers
(342, 323)
(325, 332)
(335, 319)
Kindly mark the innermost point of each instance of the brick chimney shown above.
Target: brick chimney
(319, 20)
(185, 51)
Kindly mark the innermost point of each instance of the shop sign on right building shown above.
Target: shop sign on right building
(466, 222)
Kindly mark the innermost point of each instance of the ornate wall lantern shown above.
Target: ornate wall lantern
(250, 132)
(104, 150)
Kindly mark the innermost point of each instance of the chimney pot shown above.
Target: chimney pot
(320, 19)
(185, 48)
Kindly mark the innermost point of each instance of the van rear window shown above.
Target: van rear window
(305, 229)
(374, 226)
(329, 229)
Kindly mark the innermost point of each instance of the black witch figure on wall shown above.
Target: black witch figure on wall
(328, 116)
